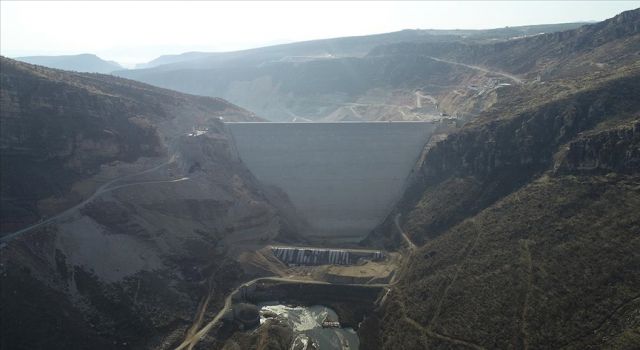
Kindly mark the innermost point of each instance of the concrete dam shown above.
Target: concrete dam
(343, 178)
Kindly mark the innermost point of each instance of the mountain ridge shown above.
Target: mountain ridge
(86, 63)
(333, 44)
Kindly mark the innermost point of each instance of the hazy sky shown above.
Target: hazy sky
(130, 32)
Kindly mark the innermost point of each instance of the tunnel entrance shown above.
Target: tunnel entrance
(343, 178)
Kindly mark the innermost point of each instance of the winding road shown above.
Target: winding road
(404, 235)
(482, 69)
(102, 189)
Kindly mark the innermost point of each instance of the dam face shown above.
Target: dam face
(343, 178)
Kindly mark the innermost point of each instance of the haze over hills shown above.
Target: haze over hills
(169, 59)
(87, 63)
(134, 218)
(346, 46)
(331, 79)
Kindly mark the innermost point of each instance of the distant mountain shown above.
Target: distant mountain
(169, 59)
(323, 79)
(299, 51)
(343, 46)
(87, 63)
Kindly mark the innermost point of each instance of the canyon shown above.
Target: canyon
(433, 192)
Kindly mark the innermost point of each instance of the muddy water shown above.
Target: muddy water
(306, 322)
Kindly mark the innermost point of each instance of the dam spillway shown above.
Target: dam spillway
(342, 178)
(323, 256)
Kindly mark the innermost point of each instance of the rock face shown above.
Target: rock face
(128, 268)
(343, 178)
(616, 150)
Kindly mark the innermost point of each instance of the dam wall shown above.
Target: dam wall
(342, 178)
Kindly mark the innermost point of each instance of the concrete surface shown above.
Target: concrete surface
(344, 177)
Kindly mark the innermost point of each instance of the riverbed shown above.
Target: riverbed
(306, 322)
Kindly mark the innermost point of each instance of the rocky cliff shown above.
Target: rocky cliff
(615, 150)
(490, 158)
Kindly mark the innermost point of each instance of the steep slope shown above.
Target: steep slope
(60, 127)
(144, 220)
(553, 265)
(87, 63)
(527, 220)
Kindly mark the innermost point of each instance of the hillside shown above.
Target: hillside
(87, 63)
(527, 219)
(60, 127)
(337, 79)
(131, 217)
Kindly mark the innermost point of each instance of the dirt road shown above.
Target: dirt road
(404, 235)
(482, 69)
(102, 189)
